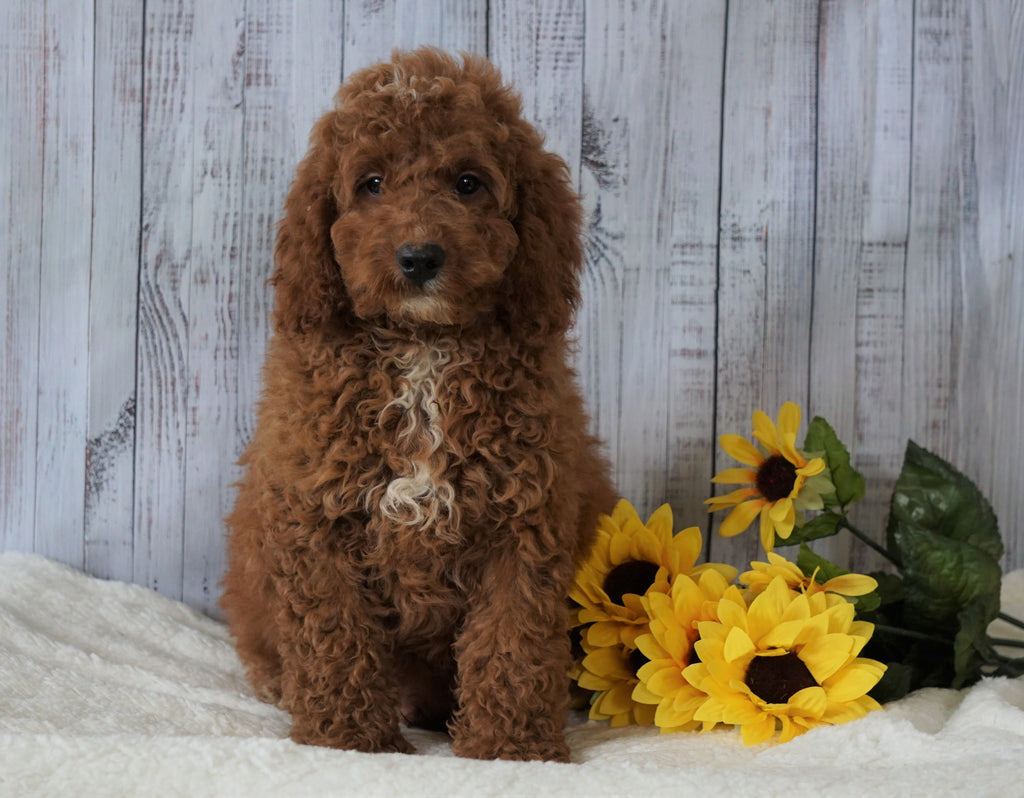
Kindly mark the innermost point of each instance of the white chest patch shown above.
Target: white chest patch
(419, 494)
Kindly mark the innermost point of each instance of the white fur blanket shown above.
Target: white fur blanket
(108, 689)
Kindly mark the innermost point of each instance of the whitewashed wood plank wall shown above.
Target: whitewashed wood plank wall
(817, 201)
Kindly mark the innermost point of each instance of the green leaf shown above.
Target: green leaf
(808, 562)
(890, 587)
(972, 648)
(941, 577)
(821, 526)
(849, 483)
(930, 494)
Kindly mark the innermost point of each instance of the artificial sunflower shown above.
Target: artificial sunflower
(668, 648)
(781, 480)
(756, 580)
(787, 663)
(628, 559)
(610, 673)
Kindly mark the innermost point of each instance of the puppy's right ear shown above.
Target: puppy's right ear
(307, 281)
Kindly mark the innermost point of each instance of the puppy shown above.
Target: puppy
(421, 483)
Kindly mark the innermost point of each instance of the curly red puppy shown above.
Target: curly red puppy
(421, 483)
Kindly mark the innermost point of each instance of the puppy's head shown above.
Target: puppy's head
(425, 198)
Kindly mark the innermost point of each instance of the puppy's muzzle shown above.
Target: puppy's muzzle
(420, 262)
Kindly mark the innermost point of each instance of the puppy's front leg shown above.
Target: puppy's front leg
(513, 662)
(335, 675)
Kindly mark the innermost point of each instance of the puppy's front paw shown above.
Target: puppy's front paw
(553, 750)
(368, 740)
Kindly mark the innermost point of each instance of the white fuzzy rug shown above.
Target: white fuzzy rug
(108, 689)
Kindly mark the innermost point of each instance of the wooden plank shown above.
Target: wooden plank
(218, 65)
(766, 225)
(292, 70)
(374, 27)
(538, 46)
(113, 294)
(934, 312)
(162, 398)
(21, 190)
(651, 93)
(64, 286)
(862, 193)
(990, 162)
(693, 170)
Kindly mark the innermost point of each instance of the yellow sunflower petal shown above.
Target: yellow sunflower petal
(616, 701)
(590, 681)
(765, 431)
(784, 526)
(735, 476)
(660, 523)
(789, 419)
(854, 681)
(603, 634)
(811, 702)
(851, 585)
(650, 647)
(740, 518)
(685, 548)
(813, 467)
(739, 448)
(645, 696)
(766, 528)
(620, 548)
(758, 731)
(782, 635)
(738, 645)
(787, 447)
(643, 714)
(781, 509)
(667, 716)
(766, 610)
(732, 498)
(666, 682)
(826, 655)
(623, 513)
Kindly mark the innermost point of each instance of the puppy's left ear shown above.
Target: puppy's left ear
(542, 283)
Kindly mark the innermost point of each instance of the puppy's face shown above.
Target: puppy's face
(426, 198)
(424, 231)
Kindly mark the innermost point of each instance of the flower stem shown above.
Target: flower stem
(845, 524)
(1006, 641)
(1010, 620)
(896, 630)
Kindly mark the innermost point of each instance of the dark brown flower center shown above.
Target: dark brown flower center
(633, 576)
(777, 679)
(776, 478)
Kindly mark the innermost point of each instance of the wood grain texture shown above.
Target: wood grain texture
(650, 137)
(990, 414)
(373, 28)
(113, 290)
(218, 46)
(821, 202)
(62, 391)
(539, 47)
(863, 184)
(22, 39)
(164, 282)
(767, 222)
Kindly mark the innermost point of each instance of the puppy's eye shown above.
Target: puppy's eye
(373, 185)
(468, 184)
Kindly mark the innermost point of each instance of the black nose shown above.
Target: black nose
(420, 262)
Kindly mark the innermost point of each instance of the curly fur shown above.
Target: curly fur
(421, 484)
